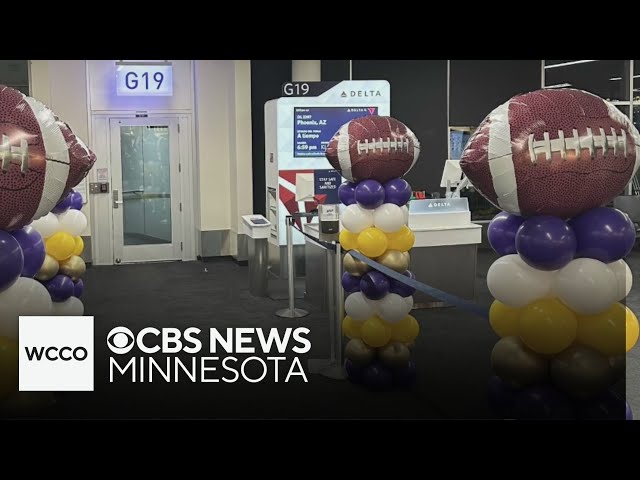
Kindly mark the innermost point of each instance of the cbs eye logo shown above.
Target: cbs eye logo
(120, 340)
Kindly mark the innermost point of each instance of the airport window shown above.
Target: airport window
(608, 79)
(15, 74)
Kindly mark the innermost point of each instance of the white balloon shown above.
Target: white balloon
(392, 308)
(405, 212)
(26, 297)
(47, 225)
(388, 217)
(409, 301)
(73, 222)
(357, 307)
(514, 283)
(355, 218)
(71, 307)
(624, 278)
(587, 286)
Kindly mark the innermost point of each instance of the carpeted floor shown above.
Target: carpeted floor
(451, 352)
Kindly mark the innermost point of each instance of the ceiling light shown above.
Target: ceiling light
(566, 64)
(559, 85)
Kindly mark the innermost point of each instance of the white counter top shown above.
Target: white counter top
(432, 236)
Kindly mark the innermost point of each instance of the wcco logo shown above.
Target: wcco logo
(56, 354)
(53, 354)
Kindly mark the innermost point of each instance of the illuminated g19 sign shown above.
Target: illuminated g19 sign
(150, 79)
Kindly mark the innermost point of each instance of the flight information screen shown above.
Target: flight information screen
(314, 127)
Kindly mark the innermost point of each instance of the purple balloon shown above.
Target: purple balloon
(606, 406)
(502, 233)
(76, 200)
(78, 288)
(60, 287)
(542, 402)
(11, 260)
(377, 377)
(546, 242)
(400, 288)
(369, 194)
(374, 285)
(63, 205)
(405, 376)
(502, 397)
(350, 283)
(33, 249)
(606, 234)
(398, 191)
(347, 193)
(354, 372)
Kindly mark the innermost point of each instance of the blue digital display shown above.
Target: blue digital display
(326, 183)
(458, 140)
(314, 127)
(144, 80)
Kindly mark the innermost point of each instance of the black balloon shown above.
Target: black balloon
(405, 376)
(517, 365)
(543, 402)
(377, 377)
(502, 397)
(354, 372)
(606, 406)
(618, 365)
(581, 372)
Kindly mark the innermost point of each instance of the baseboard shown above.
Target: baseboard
(220, 258)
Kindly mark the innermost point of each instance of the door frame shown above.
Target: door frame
(101, 213)
(146, 253)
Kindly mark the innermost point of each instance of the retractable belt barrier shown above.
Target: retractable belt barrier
(434, 292)
(458, 302)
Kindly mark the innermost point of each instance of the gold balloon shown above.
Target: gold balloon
(395, 260)
(74, 267)
(394, 354)
(354, 266)
(48, 270)
(516, 364)
(60, 246)
(359, 352)
(79, 246)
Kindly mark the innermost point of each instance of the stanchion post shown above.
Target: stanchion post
(339, 305)
(291, 311)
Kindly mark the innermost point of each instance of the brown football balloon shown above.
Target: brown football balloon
(74, 267)
(48, 270)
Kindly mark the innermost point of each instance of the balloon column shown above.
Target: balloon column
(41, 160)
(374, 222)
(561, 279)
(62, 269)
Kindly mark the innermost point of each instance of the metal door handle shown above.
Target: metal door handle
(116, 196)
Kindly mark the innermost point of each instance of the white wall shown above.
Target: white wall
(213, 88)
(306, 70)
(241, 151)
(223, 113)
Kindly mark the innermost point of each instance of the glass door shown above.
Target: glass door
(145, 192)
